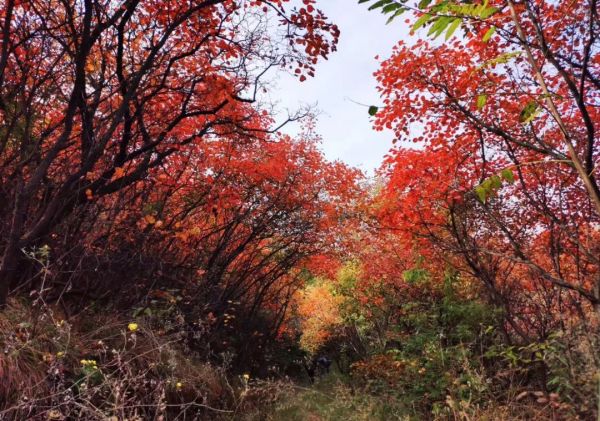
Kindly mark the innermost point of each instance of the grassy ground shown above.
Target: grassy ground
(331, 399)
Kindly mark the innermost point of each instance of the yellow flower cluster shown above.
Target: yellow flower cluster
(89, 363)
(228, 318)
(132, 327)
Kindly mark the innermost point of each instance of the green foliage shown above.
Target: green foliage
(565, 360)
(500, 59)
(508, 175)
(481, 101)
(389, 7)
(491, 185)
(436, 340)
(415, 275)
(361, 316)
(444, 16)
(488, 35)
(530, 112)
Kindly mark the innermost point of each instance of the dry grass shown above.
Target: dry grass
(97, 367)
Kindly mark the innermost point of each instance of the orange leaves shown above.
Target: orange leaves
(381, 367)
(119, 172)
(90, 67)
(318, 309)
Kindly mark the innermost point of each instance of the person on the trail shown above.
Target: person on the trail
(316, 366)
(324, 363)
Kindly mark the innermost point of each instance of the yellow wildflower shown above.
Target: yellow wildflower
(55, 414)
(132, 327)
(178, 385)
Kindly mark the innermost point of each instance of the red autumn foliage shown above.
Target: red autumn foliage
(500, 182)
(95, 95)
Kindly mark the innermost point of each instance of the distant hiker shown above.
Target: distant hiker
(310, 368)
(316, 367)
(324, 363)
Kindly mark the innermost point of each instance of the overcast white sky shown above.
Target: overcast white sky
(346, 77)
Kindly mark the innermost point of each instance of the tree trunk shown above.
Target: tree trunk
(10, 258)
(8, 268)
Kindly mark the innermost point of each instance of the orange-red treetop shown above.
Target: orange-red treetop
(489, 184)
(95, 94)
